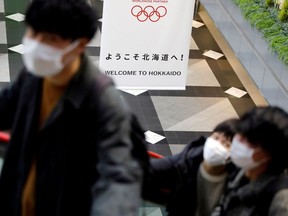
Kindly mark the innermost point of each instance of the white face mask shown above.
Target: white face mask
(43, 60)
(215, 153)
(242, 155)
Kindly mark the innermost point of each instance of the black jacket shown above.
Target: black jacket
(83, 152)
(173, 180)
(265, 196)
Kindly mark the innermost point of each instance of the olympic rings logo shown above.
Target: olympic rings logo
(148, 12)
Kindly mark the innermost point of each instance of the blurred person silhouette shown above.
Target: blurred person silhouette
(260, 149)
(71, 148)
(191, 182)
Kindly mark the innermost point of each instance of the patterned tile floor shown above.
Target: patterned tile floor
(171, 118)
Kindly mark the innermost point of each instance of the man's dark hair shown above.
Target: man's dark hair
(70, 19)
(267, 127)
(227, 127)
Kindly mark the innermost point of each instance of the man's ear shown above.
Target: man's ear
(82, 45)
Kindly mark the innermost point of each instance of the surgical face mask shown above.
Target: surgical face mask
(43, 60)
(215, 154)
(242, 155)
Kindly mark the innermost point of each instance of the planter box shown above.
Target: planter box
(268, 72)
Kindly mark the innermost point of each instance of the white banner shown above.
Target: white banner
(145, 43)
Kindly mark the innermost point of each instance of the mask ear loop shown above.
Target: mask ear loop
(68, 49)
(71, 46)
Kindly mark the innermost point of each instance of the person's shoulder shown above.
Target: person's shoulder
(96, 81)
(192, 154)
(24, 79)
(104, 95)
(279, 204)
(281, 195)
(93, 75)
(195, 147)
(24, 74)
(200, 141)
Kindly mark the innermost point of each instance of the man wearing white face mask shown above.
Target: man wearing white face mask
(71, 144)
(190, 183)
(260, 149)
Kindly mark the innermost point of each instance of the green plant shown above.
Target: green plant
(269, 3)
(269, 33)
(264, 23)
(285, 28)
(266, 20)
(283, 14)
(282, 52)
(260, 20)
(276, 42)
(273, 11)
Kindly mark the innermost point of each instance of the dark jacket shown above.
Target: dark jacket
(173, 180)
(265, 196)
(83, 152)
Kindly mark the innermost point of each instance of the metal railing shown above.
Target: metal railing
(4, 137)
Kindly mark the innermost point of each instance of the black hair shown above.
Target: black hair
(267, 127)
(70, 19)
(227, 127)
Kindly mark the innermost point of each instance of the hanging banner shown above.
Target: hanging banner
(145, 43)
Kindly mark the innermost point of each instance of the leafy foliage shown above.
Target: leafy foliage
(283, 14)
(270, 22)
(269, 3)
